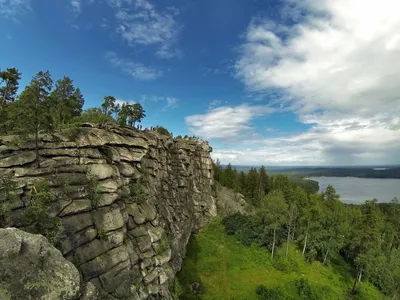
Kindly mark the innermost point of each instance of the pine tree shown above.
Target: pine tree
(9, 85)
(67, 101)
(32, 113)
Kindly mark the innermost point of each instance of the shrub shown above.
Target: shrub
(8, 197)
(163, 245)
(37, 215)
(137, 191)
(177, 289)
(163, 130)
(269, 294)
(101, 234)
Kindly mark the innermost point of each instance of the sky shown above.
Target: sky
(285, 82)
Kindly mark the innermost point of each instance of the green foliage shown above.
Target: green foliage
(226, 269)
(94, 193)
(92, 115)
(8, 197)
(137, 191)
(269, 293)
(177, 290)
(8, 85)
(163, 244)
(162, 130)
(109, 106)
(38, 217)
(129, 114)
(101, 234)
(66, 102)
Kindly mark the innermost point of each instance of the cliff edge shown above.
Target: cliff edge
(128, 202)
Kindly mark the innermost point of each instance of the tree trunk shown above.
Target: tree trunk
(287, 242)
(359, 277)
(353, 291)
(37, 148)
(327, 251)
(305, 244)
(273, 247)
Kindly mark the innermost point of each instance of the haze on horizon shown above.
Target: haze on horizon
(278, 83)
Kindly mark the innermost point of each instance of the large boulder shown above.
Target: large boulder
(31, 268)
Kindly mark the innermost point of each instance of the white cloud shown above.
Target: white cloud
(120, 102)
(140, 23)
(169, 102)
(11, 9)
(76, 6)
(339, 68)
(134, 69)
(226, 122)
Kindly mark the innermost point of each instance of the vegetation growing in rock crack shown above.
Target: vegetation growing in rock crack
(163, 244)
(93, 191)
(137, 191)
(8, 197)
(37, 216)
(101, 234)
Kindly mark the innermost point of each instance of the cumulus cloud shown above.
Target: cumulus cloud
(338, 67)
(11, 9)
(134, 69)
(140, 23)
(226, 121)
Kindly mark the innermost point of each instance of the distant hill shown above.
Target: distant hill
(342, 171)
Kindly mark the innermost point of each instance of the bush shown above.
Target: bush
(8, 197)
(163, 245)
(137, 191)
(269, 294)
(37, 215)
(164, 131)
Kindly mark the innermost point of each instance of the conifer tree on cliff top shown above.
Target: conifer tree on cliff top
(33, 109)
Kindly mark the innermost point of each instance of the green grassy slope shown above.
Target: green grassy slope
(228, 270)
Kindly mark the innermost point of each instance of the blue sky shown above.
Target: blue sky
(266, 82)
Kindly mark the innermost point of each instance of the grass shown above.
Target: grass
(226, 269)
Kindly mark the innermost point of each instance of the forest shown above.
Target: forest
(319, 226)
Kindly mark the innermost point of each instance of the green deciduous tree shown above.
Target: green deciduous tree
(273, 210)
(368, 237)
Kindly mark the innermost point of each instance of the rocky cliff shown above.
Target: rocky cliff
(130, 240)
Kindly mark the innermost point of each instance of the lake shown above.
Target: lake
(357, 190)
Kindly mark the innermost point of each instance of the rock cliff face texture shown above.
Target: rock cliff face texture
(130, 240)
(31, 268)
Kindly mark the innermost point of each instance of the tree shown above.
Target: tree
(123, 114)
(251, 186)
(263, 185)
(109, 106)
(67, 101)
(369, 234)
(33, 110)
(137, 113)
(9, 85)
(273, 209)
(310, 212)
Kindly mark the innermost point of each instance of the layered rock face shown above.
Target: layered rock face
(130, 241)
